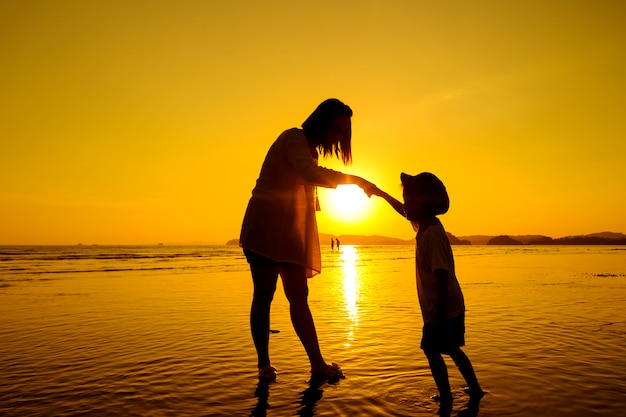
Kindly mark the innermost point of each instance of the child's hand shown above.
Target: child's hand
(376, 191)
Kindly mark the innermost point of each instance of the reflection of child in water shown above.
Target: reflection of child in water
(439, 292)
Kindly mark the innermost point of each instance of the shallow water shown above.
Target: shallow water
(162, 331)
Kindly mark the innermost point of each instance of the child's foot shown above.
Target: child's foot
(471, 409)
(267, 373)
(447, 398)
(475, 393)
(445, 404)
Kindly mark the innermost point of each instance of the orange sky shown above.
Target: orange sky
(147, 121)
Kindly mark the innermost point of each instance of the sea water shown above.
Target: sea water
(164, 331)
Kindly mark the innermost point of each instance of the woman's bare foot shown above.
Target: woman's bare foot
(329, 372)
(267, 373)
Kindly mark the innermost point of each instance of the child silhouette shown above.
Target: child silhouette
(440, 296)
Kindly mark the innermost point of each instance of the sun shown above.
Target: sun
(347, 203)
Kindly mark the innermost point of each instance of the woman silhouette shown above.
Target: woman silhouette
(279, 233)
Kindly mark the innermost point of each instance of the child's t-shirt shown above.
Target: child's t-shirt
(433, 251)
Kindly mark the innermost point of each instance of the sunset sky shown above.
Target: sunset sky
(128, 121)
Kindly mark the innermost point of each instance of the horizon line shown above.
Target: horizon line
(214, 243)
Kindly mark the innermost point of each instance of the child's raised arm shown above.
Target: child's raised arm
(396, 204)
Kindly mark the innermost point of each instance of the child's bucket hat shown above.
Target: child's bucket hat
(429, 190)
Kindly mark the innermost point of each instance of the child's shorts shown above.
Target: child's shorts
(446, 338)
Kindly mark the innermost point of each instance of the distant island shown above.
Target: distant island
(603, 238)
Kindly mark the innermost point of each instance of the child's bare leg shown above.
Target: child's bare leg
(465, 367)
(440, 374)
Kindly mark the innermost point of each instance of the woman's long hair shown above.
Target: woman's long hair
(316, 126)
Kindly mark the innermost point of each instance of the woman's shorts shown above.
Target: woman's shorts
(444, 338)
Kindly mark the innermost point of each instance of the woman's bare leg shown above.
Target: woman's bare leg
(265, 277)
(297, 291)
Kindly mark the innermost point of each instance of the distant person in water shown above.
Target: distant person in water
(279, 233)
(332, 244)
(440, 296)
(338, 243)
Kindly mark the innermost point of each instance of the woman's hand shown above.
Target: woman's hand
(368, 187)
(371, 189)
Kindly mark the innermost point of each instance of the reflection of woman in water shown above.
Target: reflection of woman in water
(279, 232)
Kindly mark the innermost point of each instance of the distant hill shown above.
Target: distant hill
(523, 239)
(457, 241)
(602, 238)
(585, 240)
(607, 235)
(503, 240)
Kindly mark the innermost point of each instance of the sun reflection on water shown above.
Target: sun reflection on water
(349, 257)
